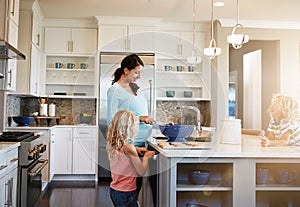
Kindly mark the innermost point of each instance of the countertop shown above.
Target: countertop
(46, 127)
(249, 148)
(7, 146)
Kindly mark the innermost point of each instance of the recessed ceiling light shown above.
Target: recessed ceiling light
(218, 4)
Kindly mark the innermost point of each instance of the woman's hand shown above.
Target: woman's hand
(147, 120)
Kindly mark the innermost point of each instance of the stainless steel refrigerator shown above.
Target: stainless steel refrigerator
(109, 62)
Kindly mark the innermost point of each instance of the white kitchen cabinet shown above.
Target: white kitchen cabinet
(9, 178)
(71, 82)
(178, 44)
(12, 74)
(52, 154)
(75, 150)
(84, 150)
(120, 38)
(63, 151)
(35, 67)
(71, 40)
(9, 12)
(28, 76)
(13, 10)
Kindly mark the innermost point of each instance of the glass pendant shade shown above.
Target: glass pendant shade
(237, 39)
(212, 51)
(194, 59)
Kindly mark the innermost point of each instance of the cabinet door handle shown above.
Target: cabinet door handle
(36, 88)
(69, 46)
(6, 194)
(38, 40)
(72, 43)
(13, 8)
(178, 49)
(10, 78)
(10, 189)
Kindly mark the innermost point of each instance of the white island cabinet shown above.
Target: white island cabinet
(232, 181)
(8, 174)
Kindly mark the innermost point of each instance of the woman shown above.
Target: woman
(124, 160)
(123, 95)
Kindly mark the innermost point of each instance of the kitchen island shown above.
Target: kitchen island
(232, 180)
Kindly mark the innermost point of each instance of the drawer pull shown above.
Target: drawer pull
(14, 160)
(3, 167)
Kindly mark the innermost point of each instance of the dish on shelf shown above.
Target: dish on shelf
(79, 94)
(170, 93)
(199, 177)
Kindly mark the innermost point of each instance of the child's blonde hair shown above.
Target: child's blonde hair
(123, 128)
(286, 105)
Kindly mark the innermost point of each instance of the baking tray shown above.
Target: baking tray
(184, 145)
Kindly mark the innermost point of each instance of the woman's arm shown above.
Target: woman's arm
(139, 165)
(112, 103)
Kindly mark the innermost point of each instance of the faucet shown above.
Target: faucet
(198, 127)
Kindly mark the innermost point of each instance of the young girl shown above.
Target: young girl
(124, 160)
(283, 128)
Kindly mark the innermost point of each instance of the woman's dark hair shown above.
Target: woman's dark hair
(129, 62)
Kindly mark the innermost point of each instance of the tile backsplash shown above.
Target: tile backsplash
(69, 108)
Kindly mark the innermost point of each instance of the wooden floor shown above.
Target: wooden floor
(77, 194)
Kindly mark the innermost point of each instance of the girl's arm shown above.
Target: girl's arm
(139, 165)
(283, 141)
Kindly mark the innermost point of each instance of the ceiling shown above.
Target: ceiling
(172, 10)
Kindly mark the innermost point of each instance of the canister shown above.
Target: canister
(52, 109)
(44, 109)
(231, 131)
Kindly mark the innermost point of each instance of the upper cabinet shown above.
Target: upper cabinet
(127, 34)
(123, 38)
(28, 76)
(71, 40)
(13, 10)
(177, 40)
(9, 20)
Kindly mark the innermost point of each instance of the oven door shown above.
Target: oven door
(31, 183)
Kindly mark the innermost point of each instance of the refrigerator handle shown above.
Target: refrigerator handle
(151, 96)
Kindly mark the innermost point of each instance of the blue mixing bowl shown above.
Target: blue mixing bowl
(176, 132)
(23, 120)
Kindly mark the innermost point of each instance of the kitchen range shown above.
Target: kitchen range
(29, 167)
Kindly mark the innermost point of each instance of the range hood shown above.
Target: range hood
(7, 51)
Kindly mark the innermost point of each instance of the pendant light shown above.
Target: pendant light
(194, 59)
(212, 50)
(237, 40)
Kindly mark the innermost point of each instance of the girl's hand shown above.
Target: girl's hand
(141, 150)
(147, 120)
(264, 141)
(149, 154)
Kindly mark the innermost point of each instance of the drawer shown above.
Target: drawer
(84, 132)
(2, 161)
(12, 157)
